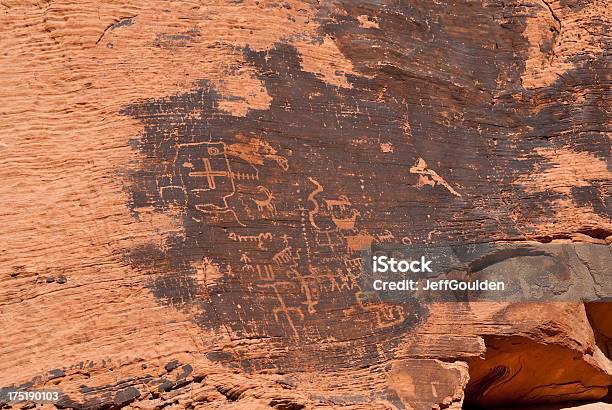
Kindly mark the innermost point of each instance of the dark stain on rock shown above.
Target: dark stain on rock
(165, 386)
(591, 197)
(18, 270)
(186, 371)
(286, 404)
(220, 356)
(56, 374)
(126, 396)
(124, 22)
(275, 205)
(181, 383)
(164, 40)
(170, 366)
(264, 210)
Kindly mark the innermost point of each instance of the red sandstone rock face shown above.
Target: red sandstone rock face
(188, 187)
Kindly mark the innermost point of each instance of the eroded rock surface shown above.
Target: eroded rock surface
(188, 187)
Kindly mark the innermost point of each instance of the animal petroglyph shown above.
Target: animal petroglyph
(265, 205)
(386, 237)
(255, 151)
(346, 223)
(341, 216)
(357, 243)
(430, 177)
(342, 202)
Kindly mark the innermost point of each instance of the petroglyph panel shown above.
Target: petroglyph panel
(357, 162)
(190, 185)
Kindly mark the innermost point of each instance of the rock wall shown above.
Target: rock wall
(188, 185)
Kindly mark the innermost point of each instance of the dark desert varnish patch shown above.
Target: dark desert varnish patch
(422, 147)
(268, 213)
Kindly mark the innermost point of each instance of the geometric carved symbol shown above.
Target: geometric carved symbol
(206, 175)
(209, 173)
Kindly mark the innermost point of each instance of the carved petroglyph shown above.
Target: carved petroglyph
(207, 174)
(349, 280)
(386, 237)
(309, 265)
(346, 223)
(343, 217)
(353, 263)
(329, 240)
(386, 315)
(430, 177)
(311, 198)
(210, 173)
(285, 256)
(265, 272)
(207, 272)
(265, 206)
(213, 173)
(207, 177)
(342, 202)
(305, 235)
(259, 239)
(244, 258)
(390, 315)
(286, 311)
(312, 297)
(357, 243)
(255, 151)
